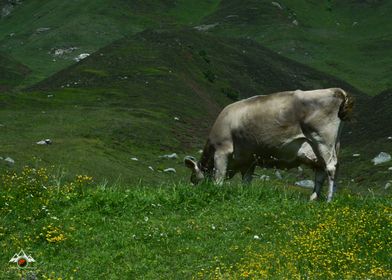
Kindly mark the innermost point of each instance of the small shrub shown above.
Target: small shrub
(203, 54)
(209, 75)
(231, 93)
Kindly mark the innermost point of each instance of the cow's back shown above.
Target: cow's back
(259, 120)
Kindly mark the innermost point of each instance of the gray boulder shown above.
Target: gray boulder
(309, 184)
(381, 158)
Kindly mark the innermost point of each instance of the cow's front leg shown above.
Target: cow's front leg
(319, 179)
(247, 174)
(220, 167)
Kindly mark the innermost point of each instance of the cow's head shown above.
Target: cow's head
(197, 175)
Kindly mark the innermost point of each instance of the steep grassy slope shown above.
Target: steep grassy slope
(35, 30)
(348, 39)
(12, 73)
(121, 102)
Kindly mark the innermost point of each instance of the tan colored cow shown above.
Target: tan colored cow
(281, 130)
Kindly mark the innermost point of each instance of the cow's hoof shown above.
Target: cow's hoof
(313, 197)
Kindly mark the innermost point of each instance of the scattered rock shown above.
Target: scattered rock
(276, 4)
(295, 22)
(42, 29)
(278, 175)
(355, 23)
(150, 167)
(81, 56)
(390, 168)
(205, 27)
(264, 177)
(200, 151)
(9, 160)
(170, 156)
(134, 159)
(176, 118)
(7, 9)
(45, 142)
(356, 155)
(387, 185)
(381, 158)
(169, 170)
(389, 138)
(256, 237)
(300, 169)
(305, 184)
(62, 51)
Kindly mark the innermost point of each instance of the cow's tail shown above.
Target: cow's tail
(347, 105)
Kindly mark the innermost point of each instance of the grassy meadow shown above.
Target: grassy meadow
(80, 229)
(97, 204)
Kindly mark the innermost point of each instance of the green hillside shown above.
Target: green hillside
(348, 39)
(121, 102)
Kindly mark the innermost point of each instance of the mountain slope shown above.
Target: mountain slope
(122, 101)
(348, 39)
(336, 37)
(47, 35)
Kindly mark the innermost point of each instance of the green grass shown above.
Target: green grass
(82, 230)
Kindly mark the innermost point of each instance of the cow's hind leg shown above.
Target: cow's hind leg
(319, 179)
(328, 153)
(326, 145)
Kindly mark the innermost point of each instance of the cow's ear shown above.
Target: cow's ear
(190, 162)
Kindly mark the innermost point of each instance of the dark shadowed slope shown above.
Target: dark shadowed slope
(12, 73)
(348, 39)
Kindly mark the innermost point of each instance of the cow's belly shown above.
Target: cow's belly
(291, 154)
(248, 150)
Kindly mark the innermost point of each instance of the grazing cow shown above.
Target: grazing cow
(280, 130)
